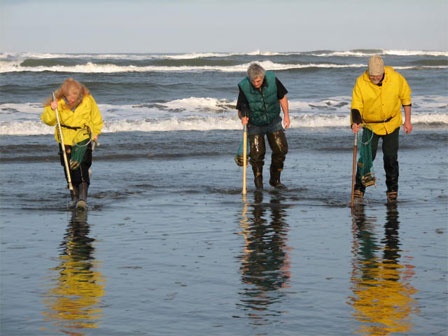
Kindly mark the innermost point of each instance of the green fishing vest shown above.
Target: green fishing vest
(264, 105)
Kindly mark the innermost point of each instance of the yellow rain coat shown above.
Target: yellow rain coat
(85, 114)
(380, 106)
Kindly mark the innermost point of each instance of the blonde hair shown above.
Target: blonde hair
(68, 85)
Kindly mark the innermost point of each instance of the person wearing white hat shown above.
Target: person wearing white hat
(378, 97)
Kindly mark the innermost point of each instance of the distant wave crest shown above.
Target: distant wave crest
(199, 62)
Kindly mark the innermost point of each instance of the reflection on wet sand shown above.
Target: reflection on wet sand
(382, 298)
(265, 266)
(73, 301)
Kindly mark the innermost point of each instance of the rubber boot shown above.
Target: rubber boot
(392, 197)
(257, 152)
(275, 178)
(82, 203)
(75, 196)
(279, 146)
(258, 180)
(257, 169)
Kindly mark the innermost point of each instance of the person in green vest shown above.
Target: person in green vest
(261, 99)
(378, 98)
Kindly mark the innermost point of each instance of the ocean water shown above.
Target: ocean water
(170, 247)
(159, 92)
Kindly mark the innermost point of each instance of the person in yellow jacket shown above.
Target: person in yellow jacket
(81, 123)
(378, 97)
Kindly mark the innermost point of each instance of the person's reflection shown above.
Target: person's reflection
(383, 295)
(73, 302)
(265, 264)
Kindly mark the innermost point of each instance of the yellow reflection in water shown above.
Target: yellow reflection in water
(73, 303)
(381, 279)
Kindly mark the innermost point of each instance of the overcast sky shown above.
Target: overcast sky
(123, 26)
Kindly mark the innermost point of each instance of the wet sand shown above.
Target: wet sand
(195, 258)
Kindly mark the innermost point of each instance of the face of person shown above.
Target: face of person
(257, 82)
(376, 79)
(72, 96)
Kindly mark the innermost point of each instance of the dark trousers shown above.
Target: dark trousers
(81, 174)
(390, 159)
(277, 143)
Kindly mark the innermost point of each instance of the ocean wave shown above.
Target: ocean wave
(210, 106)
(211, 62)
(371, 52)
(210, 122)
(424, 103)
(180, 56)
(91, 67)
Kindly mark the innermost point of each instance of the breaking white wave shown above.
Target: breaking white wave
(204, 114)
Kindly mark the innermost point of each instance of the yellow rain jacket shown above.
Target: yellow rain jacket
(86, 113)
(380, 106)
